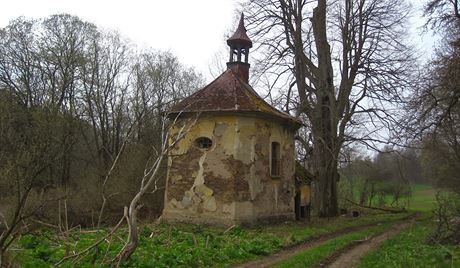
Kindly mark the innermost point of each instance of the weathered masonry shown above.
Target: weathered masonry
(236, 165)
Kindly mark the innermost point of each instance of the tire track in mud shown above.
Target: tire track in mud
(350, 255)
(297, 248)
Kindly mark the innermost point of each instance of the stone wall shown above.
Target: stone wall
(230, 182)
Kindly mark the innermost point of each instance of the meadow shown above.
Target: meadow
(185, 245)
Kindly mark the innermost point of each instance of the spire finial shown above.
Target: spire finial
(241, 24)
(239, 45)
(240, 38)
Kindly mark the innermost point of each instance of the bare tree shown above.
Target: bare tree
(442, 13)
(159, 81)
(77, 103)
(348, 63)
(28, 149)
(434, 107)
(105, 88)
(172, 133)
(37, 78)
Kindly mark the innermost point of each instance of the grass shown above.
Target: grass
(294, 232)
(195, 246)
(182, 245)
(315, 255)
(409, 249)
(423, 198)
(160, 246)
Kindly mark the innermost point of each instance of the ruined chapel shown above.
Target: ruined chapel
(236, 164)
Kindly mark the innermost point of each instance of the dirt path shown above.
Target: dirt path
(292, 251)
(315, 241)
(350, 256)
(296, 249)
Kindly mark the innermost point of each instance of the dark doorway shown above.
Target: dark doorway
(302, 210)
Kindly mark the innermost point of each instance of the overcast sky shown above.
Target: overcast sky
(193, 30)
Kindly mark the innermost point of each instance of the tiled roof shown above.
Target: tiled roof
(228, 93)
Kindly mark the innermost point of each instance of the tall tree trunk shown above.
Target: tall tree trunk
(327, 176)
(327, 192)
(365, 47)
(325, 127)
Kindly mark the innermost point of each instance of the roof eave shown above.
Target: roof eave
(292, 122)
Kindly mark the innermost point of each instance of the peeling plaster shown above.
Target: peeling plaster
(199, 179)
(230, 183)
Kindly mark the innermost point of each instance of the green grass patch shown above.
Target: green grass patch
(160, 246)
(409, 249)
(423, 198)
(295, 232)
(315, 255)
(182, 245)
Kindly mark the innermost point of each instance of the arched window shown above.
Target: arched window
(275, 162)
(203, 143)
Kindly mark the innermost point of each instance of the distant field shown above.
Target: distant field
(423, 198)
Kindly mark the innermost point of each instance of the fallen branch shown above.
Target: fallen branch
(367, 238)
(377, 208)
(49, 225)
(229, 229)
(3, 220)
(93, 245)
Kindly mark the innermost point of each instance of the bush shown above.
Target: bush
(447, 214)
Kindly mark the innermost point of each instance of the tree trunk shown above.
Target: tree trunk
(324, 127)
(326, 185)
(133, 236)
(326, 161)
(2, 253)
(358, 48)
(364, 193)
(131, 214)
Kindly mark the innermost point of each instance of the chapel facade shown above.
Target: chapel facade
(236, 162)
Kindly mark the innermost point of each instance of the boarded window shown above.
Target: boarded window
(275, 159)
(203, 143)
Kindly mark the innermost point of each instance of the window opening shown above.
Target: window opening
(203, 143)
(275, 159)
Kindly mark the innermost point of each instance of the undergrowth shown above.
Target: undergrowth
(178, 245)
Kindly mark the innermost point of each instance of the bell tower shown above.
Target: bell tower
(236, 164)
(239, 44)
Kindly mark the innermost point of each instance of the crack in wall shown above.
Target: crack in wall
(199, 179)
